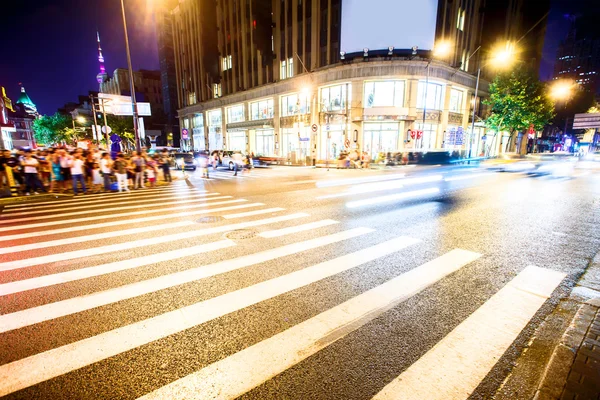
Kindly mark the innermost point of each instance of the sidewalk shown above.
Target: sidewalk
(573, 371)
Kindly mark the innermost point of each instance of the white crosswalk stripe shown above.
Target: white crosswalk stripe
(288, 251)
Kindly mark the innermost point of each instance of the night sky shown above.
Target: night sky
(50, 46)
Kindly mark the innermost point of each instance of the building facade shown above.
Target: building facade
(147, 84)
(274, 83)
(16, 121)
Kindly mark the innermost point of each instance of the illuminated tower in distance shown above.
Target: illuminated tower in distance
(102, 75)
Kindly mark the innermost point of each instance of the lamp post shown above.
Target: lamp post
(440, 50)
(504, 57)
(136, 133)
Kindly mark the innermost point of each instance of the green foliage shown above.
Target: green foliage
(53, 129)
(518, 99)
(122, 126)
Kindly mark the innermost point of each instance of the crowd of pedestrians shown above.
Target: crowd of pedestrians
(58, 170)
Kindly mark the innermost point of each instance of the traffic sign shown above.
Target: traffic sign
(314, 127)
(304, 139)
(106, 129)
(185, 134)
(347, 143)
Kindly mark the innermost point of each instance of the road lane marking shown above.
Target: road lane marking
(98, 236)
(300, 182)
(251, 213)
(96, 197)
(297, 228)
(383, 186)
(110, 209)
(94, 251)
(458, 363)
(392, 197)
(156, 199)
(38, 368)
(47, 312)
(84, 273)
(467, 177)
(239, 373)
(120, 215)
(71, 229)
(353, 181)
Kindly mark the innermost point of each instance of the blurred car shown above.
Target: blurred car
(559, 163)
(184, 161)
(508, 162)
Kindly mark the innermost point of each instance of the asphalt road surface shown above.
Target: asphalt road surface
(289, 283)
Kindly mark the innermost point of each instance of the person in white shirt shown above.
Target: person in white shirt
(237, 161)
(106, 170)
(32, 180)
(77, 174)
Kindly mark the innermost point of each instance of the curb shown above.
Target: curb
(555, 376)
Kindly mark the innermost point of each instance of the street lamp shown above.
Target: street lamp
(136, 133)
(501, 56)
(440, 50)
(561, 90)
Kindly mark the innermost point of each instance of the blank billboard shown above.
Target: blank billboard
(379, 24)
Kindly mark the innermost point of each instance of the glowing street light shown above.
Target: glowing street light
(504, 56)
(442, 49)
(561, 90)
(81, 120)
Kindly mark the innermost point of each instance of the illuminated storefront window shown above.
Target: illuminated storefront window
(428, 140)
(380, 138)
(333, 98)
(215, 136)
(435, 93)
(261, 109)
(295, 104)
(384, 94)
(235, 114)
(456, 101)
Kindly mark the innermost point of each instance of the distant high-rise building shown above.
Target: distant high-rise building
(166, 55)
(578, 56)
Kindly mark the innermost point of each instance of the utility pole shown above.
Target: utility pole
(105, 124)
(95, 130)
(136, 132)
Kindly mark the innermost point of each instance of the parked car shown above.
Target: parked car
(184, 161)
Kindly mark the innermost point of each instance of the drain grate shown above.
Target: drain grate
(239, 234)
(211, 219)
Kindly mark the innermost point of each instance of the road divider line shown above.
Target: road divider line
(353, 181)
(300, 182)
(252, 213)
(458, 363)
(112, 194)
(297, 228)
(47, 312)
(392, 197)
(154, 199)
(121, 215)
(110, 209)
(239, 373)
(38, 368)
(72, 229)
(89, 272)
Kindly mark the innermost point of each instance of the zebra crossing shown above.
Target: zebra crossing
(122, 250)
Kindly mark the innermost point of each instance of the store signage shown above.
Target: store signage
(455, 137)
(185, 134)
(314, 127)
(419, 134)
(304, 139)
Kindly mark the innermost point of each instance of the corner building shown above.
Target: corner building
(268, 77)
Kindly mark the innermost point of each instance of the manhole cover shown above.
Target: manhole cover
(240, 234)
(209, 220)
